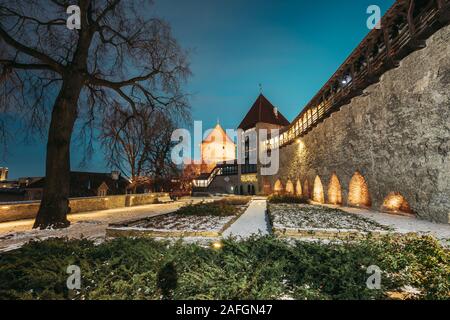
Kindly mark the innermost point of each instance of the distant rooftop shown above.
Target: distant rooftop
(263, 111)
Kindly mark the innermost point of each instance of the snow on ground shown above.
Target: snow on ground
(304, 216)
(404, 224)
(178, 222)
(201, 241)
(363, 220)
(253, 221)
(91, 225)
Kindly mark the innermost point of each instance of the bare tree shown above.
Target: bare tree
(139, 144)
(52, 74)
(160, 166)
(123, 139)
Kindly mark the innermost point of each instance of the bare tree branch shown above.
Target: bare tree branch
(62, 80)
(31, 52)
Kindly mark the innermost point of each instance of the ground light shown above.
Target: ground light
(217, 245)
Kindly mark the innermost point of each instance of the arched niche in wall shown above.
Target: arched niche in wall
(298, 188)
(358, 193)
(290, 187)
(306, 192)
(267, 188)
(396, 203)
(318, 195)
(334, 190)
(278, 187)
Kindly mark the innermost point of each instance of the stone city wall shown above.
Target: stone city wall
(395, 137)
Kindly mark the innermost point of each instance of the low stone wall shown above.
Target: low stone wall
(28, 210)
(139, 200)
(144, 233)
(97, 203)
(324, 234)
(13, 212)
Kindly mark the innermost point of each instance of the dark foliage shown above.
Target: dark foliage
(287, 199)
(259, 268)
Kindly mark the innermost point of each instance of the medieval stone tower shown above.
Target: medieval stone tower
(216, 148)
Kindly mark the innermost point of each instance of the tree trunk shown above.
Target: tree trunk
(55, 199)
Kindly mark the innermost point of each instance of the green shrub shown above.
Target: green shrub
(287, 199)
(219, 209)
(258, 268)
(235, 201)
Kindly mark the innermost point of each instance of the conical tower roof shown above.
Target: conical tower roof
(263, 111)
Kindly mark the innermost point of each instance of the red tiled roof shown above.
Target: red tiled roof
(263, 111)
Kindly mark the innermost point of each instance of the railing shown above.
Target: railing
(249, 168)
(404, 28)
(220, 170)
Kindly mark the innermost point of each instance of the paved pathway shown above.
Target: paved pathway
(91, 225)
(403, 224)
(252, 222)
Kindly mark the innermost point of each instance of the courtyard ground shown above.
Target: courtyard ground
(93, 225)
(253, 264)
(252, 222)
(405, 224)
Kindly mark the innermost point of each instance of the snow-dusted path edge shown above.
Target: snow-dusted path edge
(403, 224)
(253, 221)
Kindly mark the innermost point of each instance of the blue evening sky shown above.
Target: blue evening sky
(291, 47)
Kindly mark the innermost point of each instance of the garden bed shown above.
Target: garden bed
(318, 222)
(199, 220)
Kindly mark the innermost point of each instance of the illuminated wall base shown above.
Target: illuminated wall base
(358, 194)
(298, 188)
(396, 203)
(334, 191)
(318, 195)
(278, 187)
(290, 187)
(306, 192)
